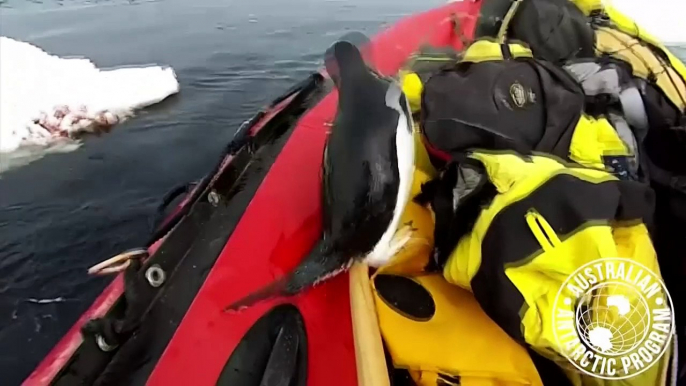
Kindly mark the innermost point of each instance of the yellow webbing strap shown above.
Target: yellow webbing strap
(486, 49)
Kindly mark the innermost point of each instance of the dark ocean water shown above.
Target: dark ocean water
(65, 212)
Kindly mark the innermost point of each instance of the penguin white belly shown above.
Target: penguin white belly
(392, 241)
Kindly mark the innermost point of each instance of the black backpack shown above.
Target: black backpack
(556, 30)
(515, 102)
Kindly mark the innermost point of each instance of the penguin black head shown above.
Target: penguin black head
(343, 62)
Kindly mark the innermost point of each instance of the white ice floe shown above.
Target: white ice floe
(45, 98)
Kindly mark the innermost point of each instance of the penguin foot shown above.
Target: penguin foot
(400, 239)
(406, 235)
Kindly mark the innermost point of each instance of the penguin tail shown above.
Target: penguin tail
(274, 289)
(316, 267)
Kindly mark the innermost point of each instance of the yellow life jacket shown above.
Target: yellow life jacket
(371, 362)
(594, 141)
(438, 332)
(547, 220)
(455, 341)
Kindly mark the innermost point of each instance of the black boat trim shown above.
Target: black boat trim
(188, 254)
(241, 139)
(161, 216)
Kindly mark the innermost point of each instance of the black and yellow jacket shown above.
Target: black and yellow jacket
(499, 96)
(545, 220)
(434, 332)
(592, 29)
(525, 223)
(582, 30)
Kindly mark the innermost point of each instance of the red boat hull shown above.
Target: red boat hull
(279, 226)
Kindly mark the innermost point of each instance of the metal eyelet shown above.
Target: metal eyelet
(213, 198)
(155, 275)
(104, 346)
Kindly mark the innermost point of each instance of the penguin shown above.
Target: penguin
(367, 171)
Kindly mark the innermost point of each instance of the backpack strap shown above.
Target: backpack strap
(456, 198)
(507, 19)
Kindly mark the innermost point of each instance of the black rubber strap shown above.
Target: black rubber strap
(505, 49)
(240, 139)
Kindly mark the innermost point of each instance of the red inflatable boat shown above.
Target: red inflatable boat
(248, 222)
